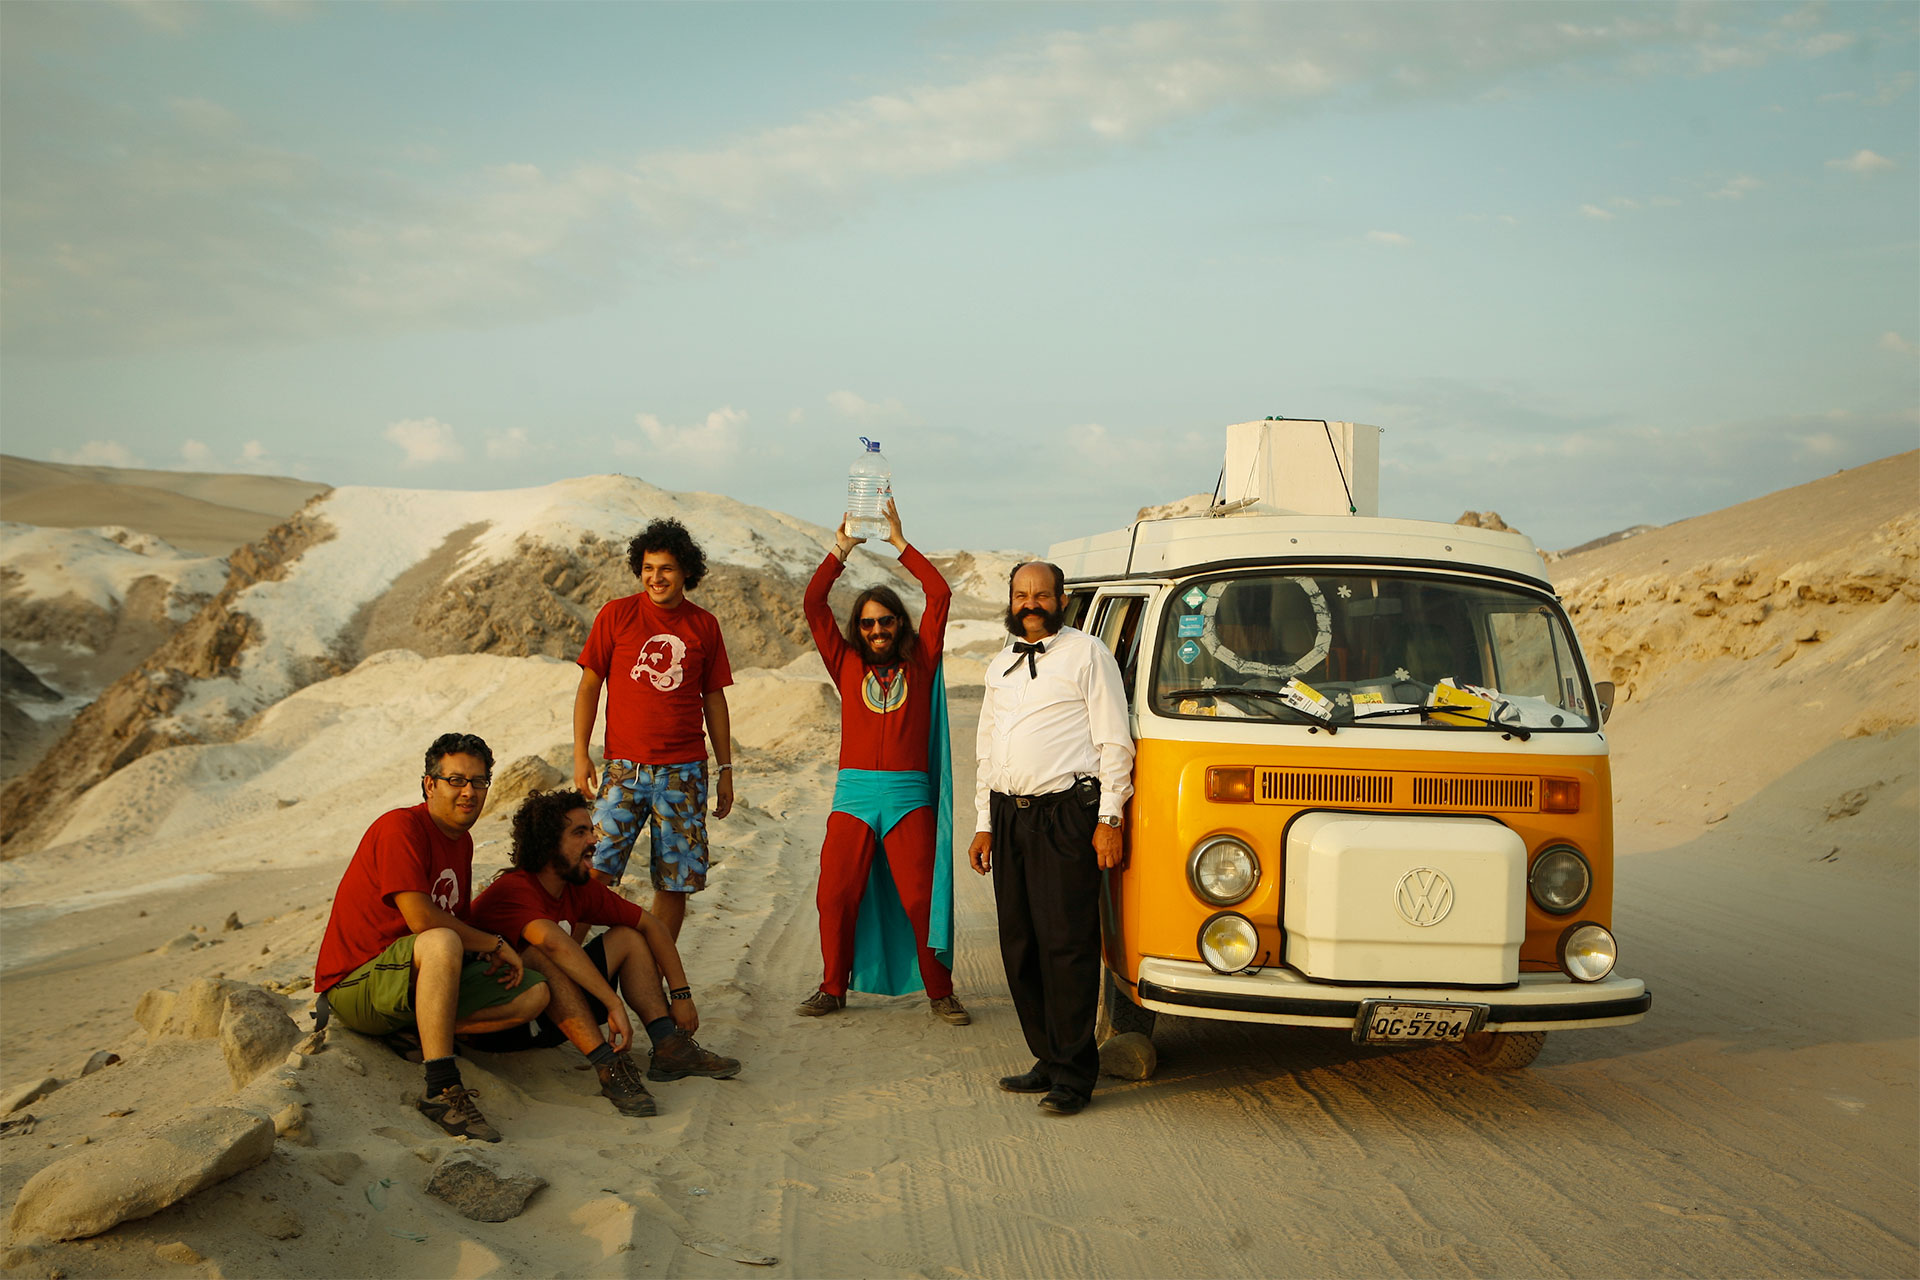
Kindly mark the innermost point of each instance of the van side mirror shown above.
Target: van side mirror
(1603, 690)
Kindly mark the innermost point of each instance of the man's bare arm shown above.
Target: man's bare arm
(586, 710)
(720, 730)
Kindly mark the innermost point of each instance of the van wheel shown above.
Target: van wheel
(1119, 1014)
(1502, 1050)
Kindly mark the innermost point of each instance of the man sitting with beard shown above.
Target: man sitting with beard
(547, 902)
(886, 925)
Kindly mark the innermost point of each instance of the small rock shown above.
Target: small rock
(313, 1042)
(254, 1031)
(173, 946)
(179, 1251)
(336, 1166)
(91, 1063)
(279, 1224)
(480, 1187)
(126, 1178)
(231, 923)
(195, 1013)
(1128, 1056)
(290, 1120)
(14, 1099)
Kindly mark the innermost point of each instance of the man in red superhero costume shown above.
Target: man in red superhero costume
(883, 923)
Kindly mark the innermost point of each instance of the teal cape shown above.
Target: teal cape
(886, 955)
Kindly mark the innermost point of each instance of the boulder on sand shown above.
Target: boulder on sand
(255, 1033)
(482, 1187)
(115, 1181)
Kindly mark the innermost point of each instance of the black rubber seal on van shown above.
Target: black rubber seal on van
(1317, 1008)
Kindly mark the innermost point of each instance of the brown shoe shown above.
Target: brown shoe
(819, 1003)
(623, 1087)
(454, 1109)
(949, 1009)
(681, 1055)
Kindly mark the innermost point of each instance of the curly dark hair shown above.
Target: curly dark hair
(888, 599)
(457, 744)
(671, 537)
(538, 823)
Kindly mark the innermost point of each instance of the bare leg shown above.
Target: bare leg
(523, 1008)
(671, 908)
(437, 958)
(637, 977)
(569, 1008)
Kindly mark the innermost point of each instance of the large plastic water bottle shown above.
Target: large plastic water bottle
(869, 485)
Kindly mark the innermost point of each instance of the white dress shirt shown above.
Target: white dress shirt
(1040, 732)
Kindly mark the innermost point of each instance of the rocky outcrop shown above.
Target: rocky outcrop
(1485, 520)
(118, 1180)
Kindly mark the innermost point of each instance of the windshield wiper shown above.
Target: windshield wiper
(1250, 691)
(1519, 731)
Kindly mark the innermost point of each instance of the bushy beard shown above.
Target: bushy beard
(872, 659)
(1016, 625)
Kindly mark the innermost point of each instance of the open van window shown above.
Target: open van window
(1380, 650)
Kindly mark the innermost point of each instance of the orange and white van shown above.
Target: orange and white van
(1371, 786)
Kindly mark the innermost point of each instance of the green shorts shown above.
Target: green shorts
(377, 998)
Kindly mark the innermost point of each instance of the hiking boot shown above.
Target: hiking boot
(681, 1055)
(821, 1002)
(949, 1009)
(623, 1087)
(454, 1109)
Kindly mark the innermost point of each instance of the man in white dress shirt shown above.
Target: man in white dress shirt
(1056, 765)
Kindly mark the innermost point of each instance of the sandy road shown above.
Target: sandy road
(1762, 1122)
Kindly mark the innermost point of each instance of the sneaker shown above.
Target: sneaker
(454, 1109)
(949, 1009)
(821, 1002)
(623, 1087)
(681, 1055)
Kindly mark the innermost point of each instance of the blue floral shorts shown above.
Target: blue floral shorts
(671, 799)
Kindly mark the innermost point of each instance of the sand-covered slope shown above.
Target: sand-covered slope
(211, 513)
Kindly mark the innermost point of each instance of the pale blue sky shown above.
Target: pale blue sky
(1589, 265)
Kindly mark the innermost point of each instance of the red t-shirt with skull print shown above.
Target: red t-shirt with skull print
(402, 852)
(658, 665)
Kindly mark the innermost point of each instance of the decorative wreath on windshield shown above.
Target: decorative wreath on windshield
(1322, 635)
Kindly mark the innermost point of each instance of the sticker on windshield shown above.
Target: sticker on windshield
(1193, 624)
(1194, 597)
(1188, 651)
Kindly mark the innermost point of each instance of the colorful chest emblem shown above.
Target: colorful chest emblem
(885, 691)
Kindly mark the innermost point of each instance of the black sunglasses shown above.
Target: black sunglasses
(886, 620)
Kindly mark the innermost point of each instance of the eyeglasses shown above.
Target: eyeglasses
(459, 783)
(886, 620)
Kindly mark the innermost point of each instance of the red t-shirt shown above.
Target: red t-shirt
(402, 852)
(886, 713)
(659, 665)
(517, 898)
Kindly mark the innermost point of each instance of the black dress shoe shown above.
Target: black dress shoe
(1026, 1082)
(1059, 1102)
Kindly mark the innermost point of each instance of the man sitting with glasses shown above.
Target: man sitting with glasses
(399, 952)
(886, 924)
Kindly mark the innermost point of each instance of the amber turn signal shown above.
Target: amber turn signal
(1559, 795)
(1230, 786)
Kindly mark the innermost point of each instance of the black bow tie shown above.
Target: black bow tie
(1021, 649)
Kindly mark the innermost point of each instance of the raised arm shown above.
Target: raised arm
(933, 622)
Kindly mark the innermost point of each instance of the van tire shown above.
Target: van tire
(1119, 1014)
(1502, 1050)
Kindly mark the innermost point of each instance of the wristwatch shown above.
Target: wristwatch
(1109, 821)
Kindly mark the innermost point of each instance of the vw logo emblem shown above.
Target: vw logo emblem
(1423, 896)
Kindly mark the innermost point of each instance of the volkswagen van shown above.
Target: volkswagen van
(1371, 788)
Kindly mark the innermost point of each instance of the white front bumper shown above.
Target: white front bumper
(1539, 1002)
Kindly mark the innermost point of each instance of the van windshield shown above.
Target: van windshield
(1373, 651)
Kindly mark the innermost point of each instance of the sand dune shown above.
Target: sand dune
(1762, 1120)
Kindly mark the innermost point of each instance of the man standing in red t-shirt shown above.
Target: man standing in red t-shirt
(393, 954)
(548, 901)
(663, 664)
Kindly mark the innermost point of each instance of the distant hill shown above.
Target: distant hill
(198, 511)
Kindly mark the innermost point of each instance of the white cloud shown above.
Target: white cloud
(1863, 162)
(195, 451)
(425, 440)
(717, 437)
(796, 416)
(1827, 42)
(253, 451)
(504, 446)
(98, 453)
(1389, 237)
(869, 413)
(1899, 344)
(1624, 202)
(1736, 187)
(1595, 211)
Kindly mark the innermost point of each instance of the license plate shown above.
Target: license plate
(1398, 1022)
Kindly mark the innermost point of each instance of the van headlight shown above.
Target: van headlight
(1560, 880)
(1223, 870)
(1587, 951)
(1229, 943)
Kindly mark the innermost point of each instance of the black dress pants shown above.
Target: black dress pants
(1046, 889)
